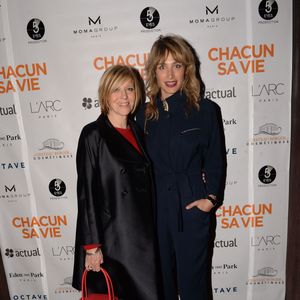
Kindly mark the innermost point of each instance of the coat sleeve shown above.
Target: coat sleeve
(89, 230)
(215, 156)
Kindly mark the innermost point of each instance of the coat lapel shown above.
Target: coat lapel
(118, 144)
(138, 134)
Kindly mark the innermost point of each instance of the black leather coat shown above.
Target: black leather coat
(116, 209)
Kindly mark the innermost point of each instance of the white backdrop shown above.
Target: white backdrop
(53, 54)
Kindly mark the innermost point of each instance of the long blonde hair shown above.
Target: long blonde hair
(182, 53)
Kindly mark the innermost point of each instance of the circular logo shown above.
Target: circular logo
(268, 9)
(267, 174)
(57, 187)
(149, 17)
(35, 29)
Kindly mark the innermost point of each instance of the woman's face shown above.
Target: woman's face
(169, 76)
(121, 100)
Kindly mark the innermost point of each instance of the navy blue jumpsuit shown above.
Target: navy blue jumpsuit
(183, 144)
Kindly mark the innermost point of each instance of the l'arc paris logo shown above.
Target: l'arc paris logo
(149, 17)
(35, 29)
(57, 187)
(267, 174)
(268, 9)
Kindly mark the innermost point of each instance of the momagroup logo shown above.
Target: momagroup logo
(268, 92)
(21, 78)
(52, 149)
(8, 140)
(267, 276)
(57, 187)
(96, 21)
(268, 134)
(267, 175)
(23, 253)
(246, 59)
(11, 188)
(12, 166)
(212, 17)
(36, 30)
(65, 287)
(94, 27)
(11, 193)
(223, 269)
(40, 226)
(88, 103)
(221, 94)
(8, 110)
(149, 19)
(244, 216)
(46, 109)
(268, 10)
(265, 243)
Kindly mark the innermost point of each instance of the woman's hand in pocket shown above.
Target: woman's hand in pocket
(202, 204)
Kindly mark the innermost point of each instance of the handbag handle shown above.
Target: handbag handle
(109, 284)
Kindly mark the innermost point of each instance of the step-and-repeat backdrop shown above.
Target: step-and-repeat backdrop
(52, 55)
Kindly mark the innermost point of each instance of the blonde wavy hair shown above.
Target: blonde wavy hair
(182, 53)
(112, 78)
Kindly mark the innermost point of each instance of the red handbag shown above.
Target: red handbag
(110, 288)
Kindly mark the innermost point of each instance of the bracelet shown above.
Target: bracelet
(92, 253)
(212, 200)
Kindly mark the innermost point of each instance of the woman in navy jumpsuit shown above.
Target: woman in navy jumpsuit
(184, 140)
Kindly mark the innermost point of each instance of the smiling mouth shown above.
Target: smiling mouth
(171, 84)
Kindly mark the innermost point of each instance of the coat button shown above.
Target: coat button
(124, 193)
(123, 171)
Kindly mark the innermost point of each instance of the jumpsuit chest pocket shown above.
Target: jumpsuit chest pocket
(190, 131)
(194, 136)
